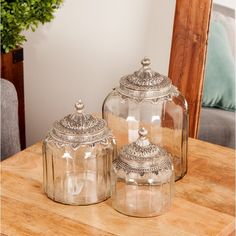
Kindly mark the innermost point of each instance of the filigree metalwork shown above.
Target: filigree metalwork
(88, 124)
(138, 98)
(60, 143)
(161, 166)
(142, 157)
(146, 84)
(78, 129)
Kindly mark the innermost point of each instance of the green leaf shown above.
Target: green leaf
(20, 15)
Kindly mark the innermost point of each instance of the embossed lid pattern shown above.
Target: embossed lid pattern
(78, 128)
(142, 157)
(146, 83)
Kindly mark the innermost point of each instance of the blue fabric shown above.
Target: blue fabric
(219, 85)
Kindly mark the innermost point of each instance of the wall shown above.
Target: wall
(226, 3)
(85, 50)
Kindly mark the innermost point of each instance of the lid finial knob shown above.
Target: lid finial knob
(142, 132)
(79, 106)
(146, 62)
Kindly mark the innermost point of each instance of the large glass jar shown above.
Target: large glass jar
(148, 99)
(77, 156)
(142, 179)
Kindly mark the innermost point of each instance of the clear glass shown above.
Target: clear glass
(78, 177)
(166, 120)
(142, 196)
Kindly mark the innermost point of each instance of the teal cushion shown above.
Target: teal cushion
(219, 85)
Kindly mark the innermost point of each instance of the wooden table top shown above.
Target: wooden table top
(204, 202)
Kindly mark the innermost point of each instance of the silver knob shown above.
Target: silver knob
(142, 132)
(146, 62)
(79, 106)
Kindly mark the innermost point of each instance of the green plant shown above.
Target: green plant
(20, 15)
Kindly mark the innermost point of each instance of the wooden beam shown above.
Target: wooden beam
(188, 54)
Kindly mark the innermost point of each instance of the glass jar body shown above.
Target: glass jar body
(142, 196)
(78, 176)
(165, 118)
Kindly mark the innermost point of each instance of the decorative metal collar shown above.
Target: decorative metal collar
(145, 83)
(142, 156)
(78, 128)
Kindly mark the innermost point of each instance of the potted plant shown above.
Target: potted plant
(20, 15)
(16, 17)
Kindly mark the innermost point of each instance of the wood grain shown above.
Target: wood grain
(50, 223)
(203, 203)
(188, 54)
(14, 73)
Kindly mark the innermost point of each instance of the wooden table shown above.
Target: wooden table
(203, 204)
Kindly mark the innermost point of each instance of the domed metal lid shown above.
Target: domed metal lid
(146, 83)
(142, 156)
(78, 128)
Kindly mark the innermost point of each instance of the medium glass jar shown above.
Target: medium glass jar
(77, 156)
(142, 179)
(148, 99)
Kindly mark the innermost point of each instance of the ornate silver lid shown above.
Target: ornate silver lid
(146, 83)
(142, 157)
(78, 128)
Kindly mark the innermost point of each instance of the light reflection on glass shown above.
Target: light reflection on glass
(67, 155)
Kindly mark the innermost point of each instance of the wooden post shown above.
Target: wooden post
(188, 54)
(12, 70)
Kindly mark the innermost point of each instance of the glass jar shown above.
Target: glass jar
(77, 156)
(148, 99)
(142, 179)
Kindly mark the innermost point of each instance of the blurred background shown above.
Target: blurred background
(85, 50)
(89, 45)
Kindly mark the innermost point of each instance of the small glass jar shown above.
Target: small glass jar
(77, 156)
(148, 99)
(142, 179)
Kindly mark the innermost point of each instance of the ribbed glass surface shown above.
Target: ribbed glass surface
(142, 196)
(77, 177)
(166, 120)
